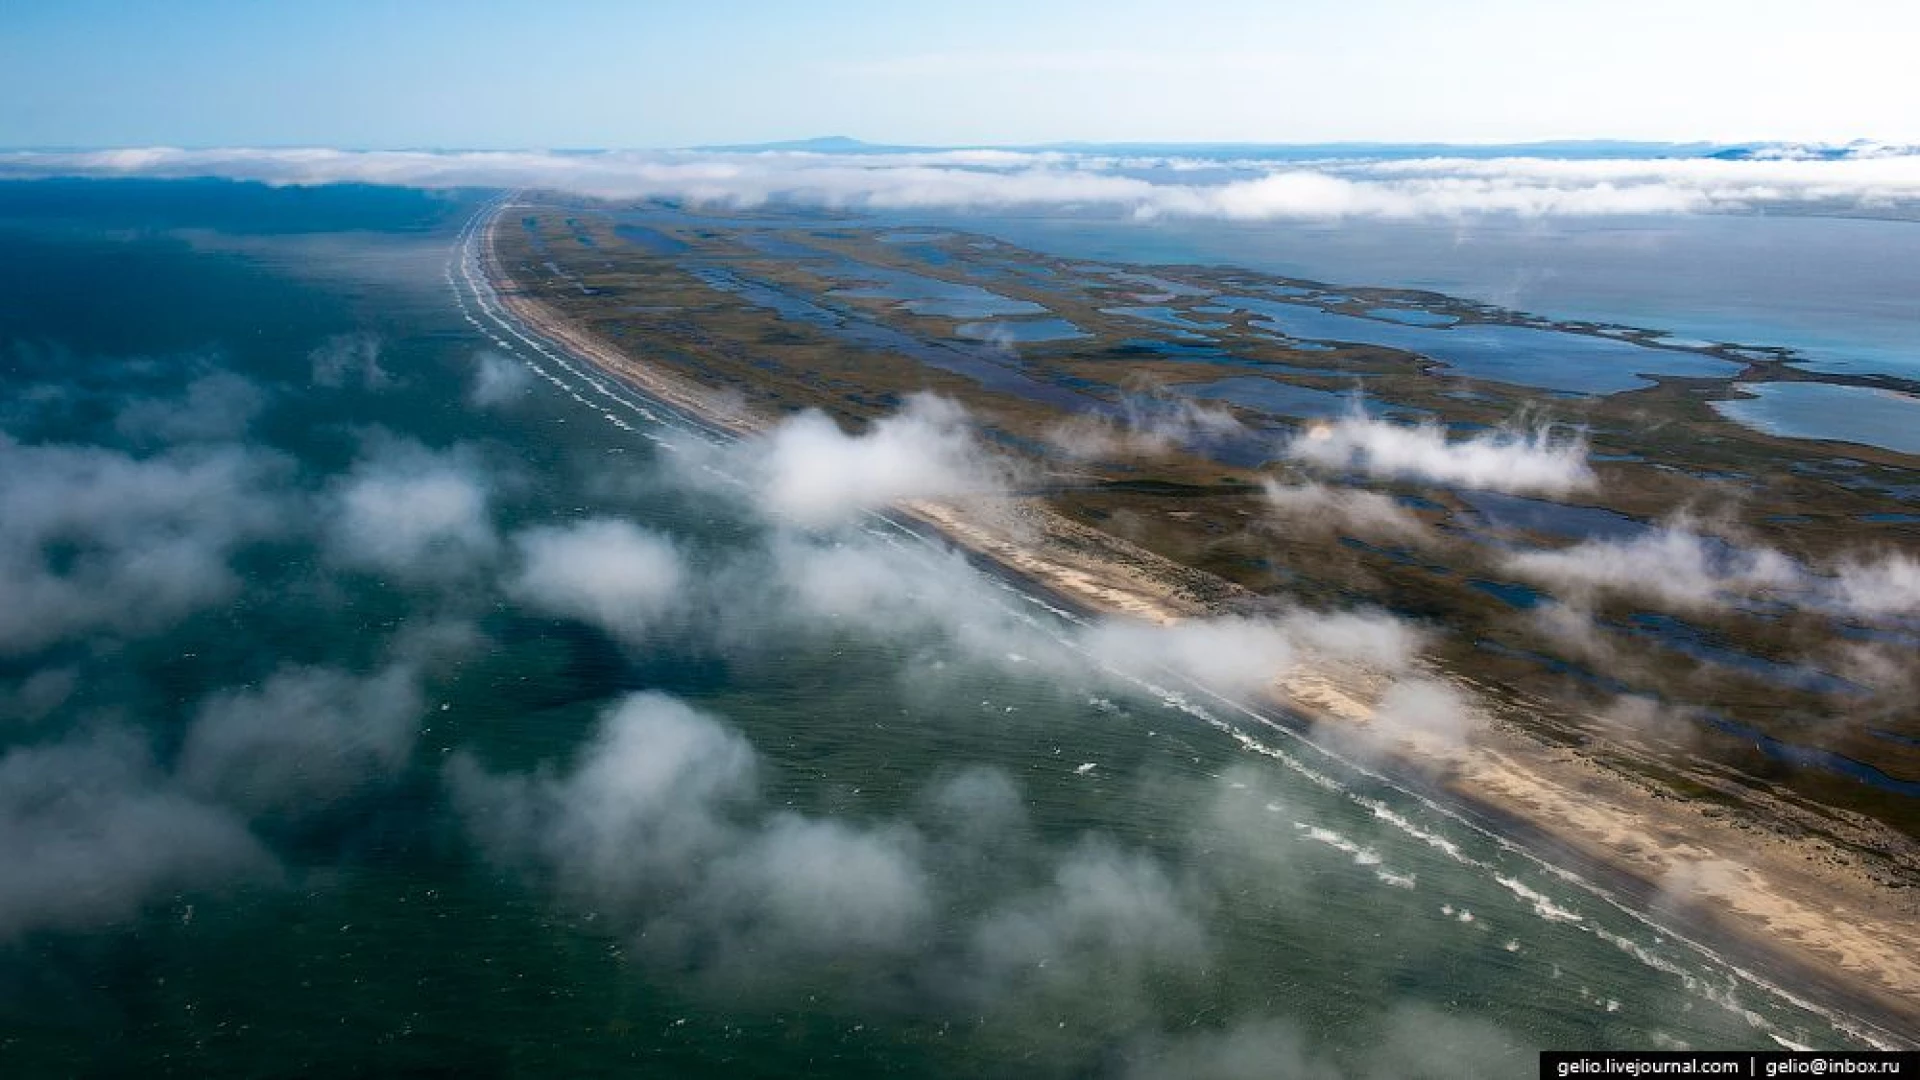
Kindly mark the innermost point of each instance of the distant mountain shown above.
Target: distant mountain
(825, 144)
(1565, 149)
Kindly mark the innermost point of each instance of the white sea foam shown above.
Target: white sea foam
(1543, 906)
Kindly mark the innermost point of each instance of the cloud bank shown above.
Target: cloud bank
(1243, 190)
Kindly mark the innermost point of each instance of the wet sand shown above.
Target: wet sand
(1812, 920)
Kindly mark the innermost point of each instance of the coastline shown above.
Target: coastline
(1804, 917)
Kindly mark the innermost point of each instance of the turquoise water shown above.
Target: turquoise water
(222, 863)
(1855, 414)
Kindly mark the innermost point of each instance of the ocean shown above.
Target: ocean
(331, 746)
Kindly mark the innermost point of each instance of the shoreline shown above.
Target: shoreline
(1830, 937)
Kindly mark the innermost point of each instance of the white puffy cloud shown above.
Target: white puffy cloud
(1676, 565)
(304, 739)
(1312, 506)
(1887, 585)
(1423, 712)
(647, 804)
(94, 540)
(1105, 919)
(1679, 565)
(809, 471)
(857, 583)
(662, 820)
(1376, 639)
(413, 512)
(38, 695)
(349, 360)
(214, 407)
(91, 832)
(497, 380)
(1150, 423)
(823, 887)
(1229, 654)
(604, 571)
(1538, 460)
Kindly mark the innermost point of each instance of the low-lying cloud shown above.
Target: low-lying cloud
(349, 360)
(1227, 654)
(304, 739)
(1148, 424)
(1241, 190)
(604, 571)
(497, 380)
(413, 512)
(215, 407)
(662, 822)
(1317, 507)
(1887, 585)
(92, 831)
(809, 471)
(93, 539)
(1540, 460)
(1678, 566)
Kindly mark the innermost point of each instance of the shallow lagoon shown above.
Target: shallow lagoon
(1856, 414)
(1285, 399)
(1523, 355)
(1030, 330)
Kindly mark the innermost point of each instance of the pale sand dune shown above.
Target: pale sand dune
(1817, 910)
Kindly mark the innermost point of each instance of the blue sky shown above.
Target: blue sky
(503, 73)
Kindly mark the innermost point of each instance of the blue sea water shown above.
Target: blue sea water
(1111, 873)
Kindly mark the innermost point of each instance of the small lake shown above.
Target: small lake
(1855, 414)
(1021, 330)
(1286, 399)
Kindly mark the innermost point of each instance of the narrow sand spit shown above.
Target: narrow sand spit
(1813, 917)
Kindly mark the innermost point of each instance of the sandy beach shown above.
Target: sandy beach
(1811, 919)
